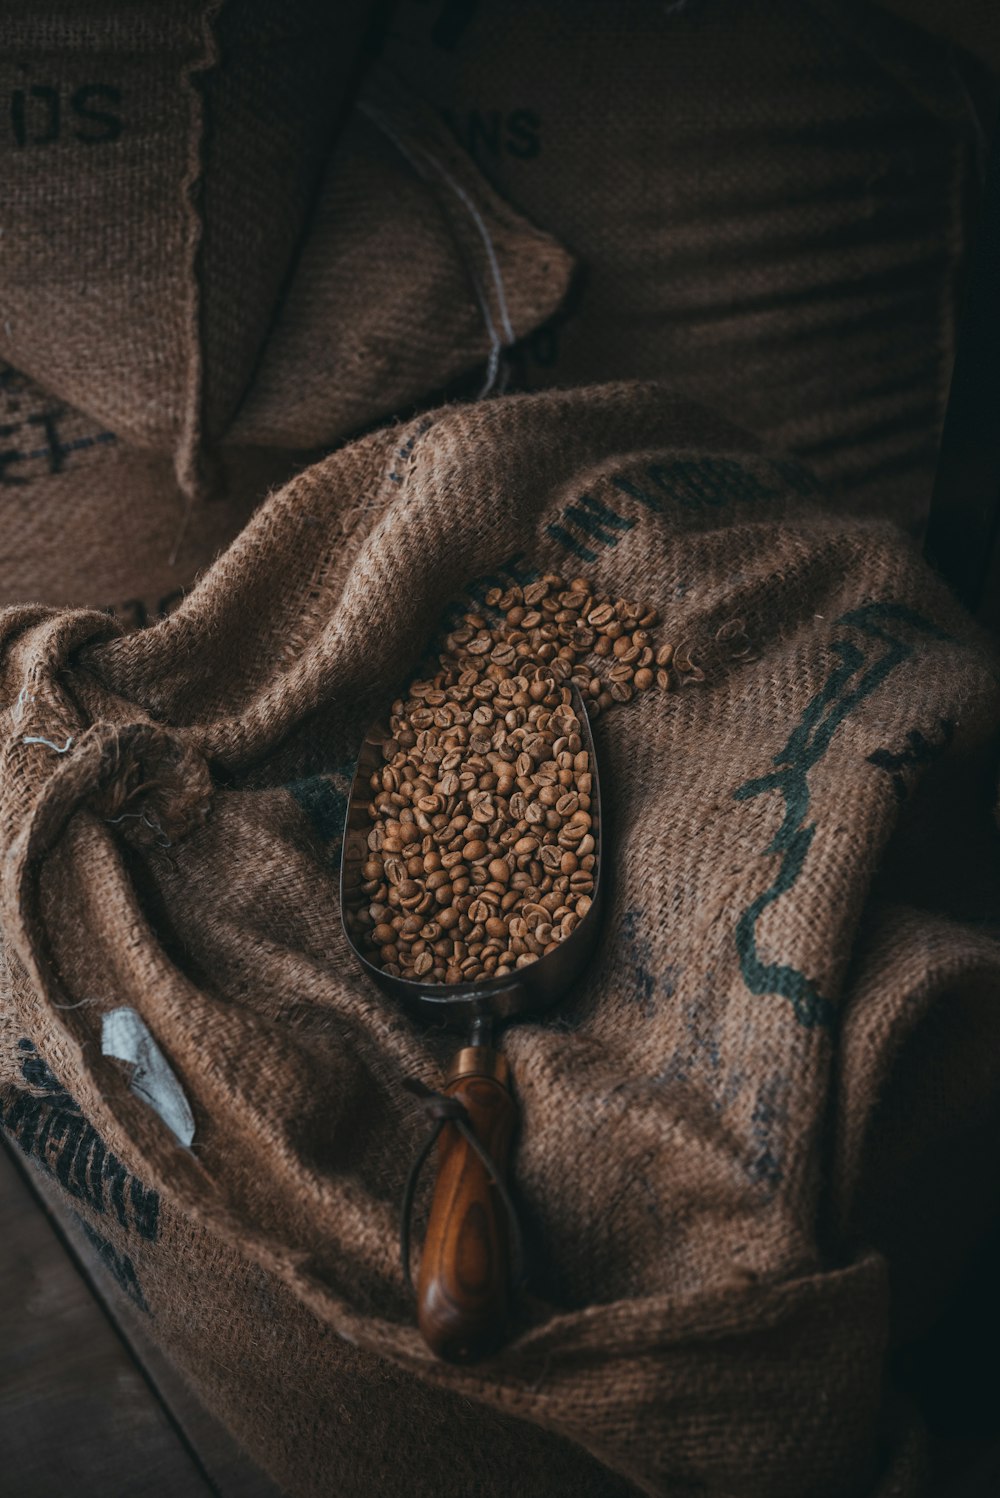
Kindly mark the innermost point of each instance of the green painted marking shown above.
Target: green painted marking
(604, 514)
(590, 526)
(561, 534)
(806, 746)
(323, 803)
(709, 483)
(635, 491)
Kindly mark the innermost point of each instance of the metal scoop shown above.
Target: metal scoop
(463, 1286)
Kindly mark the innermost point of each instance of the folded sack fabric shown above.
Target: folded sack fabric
(784, 1053)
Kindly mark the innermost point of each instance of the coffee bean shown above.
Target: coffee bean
(481, 856)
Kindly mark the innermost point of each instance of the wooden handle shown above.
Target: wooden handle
(463, 1284)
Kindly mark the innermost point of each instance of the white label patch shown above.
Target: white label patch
(124, 1034)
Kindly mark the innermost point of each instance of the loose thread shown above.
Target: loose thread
(140, 816)
(411, 150)
(33, 739)
(17, 711)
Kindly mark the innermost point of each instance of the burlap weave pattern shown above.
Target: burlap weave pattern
(768, 201)
(407, 272)
(711, 1151)
(142, 148)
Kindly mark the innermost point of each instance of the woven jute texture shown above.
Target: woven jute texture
(785, 1051)
(767, 200)
(414, 272)
(411, 271)
(94, 522)
(159, 165)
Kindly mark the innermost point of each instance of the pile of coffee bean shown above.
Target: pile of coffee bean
(483, 846)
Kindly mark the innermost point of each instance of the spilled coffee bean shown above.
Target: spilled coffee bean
(481, 850)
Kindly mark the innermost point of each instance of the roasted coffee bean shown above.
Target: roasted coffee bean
(481, 855)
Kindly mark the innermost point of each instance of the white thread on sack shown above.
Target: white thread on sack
(17, 713)
(140, 816)
(497, 346)
(33, 739)
(126, 1036)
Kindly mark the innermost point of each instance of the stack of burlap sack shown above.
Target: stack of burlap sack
(758, 1143)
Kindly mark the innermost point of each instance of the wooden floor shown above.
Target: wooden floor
(88, 1409)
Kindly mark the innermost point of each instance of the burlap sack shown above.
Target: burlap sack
(412, 272)
(807, 285)
(768, 200)
(159, 163)
(92, 522)
(786, 1049)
